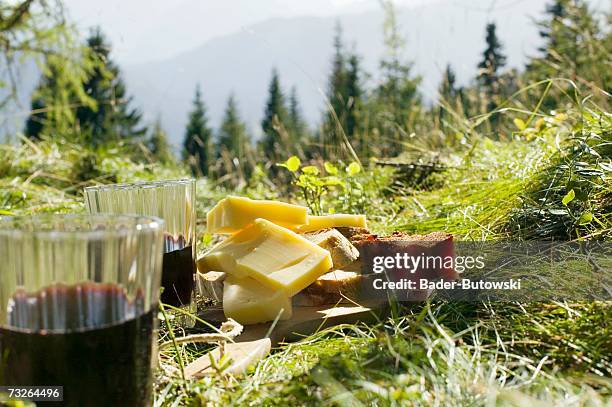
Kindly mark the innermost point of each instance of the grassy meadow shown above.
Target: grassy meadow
(435, 353)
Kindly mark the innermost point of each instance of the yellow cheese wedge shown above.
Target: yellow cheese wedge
(332, 221)
(272, 255)
(234, 213)
(249, 302)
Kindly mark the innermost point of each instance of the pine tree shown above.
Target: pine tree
(297, 125)
(491, 64)
(397, 96)
(448, 90)
(158, 143)
(112, 118)
(233, 147)
(493, 60)
(196, 146)
(36, 121)
(574, 48)
(334, 122)
(556, 11)
(43, 98)
(354, 94)
(275, 121)
(233, 137)
(449, 95)
(52, 109)
(103, 111)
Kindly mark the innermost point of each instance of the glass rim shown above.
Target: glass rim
(140, 184)
(132, 224)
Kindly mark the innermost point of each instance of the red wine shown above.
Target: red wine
(88, 338)
(178, 275)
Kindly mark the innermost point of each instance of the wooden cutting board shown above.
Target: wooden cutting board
(305, 321)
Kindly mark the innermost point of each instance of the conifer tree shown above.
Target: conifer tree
(448, 93)
(275, 121)
(298, 127)
(113, 118)
(493, 59)
(354, 94)
(233, 146)
(574, 47)
(233, 136)
(44, 102)
(196, 146)
(158, 143)
(448, 87)
(334, 122)
(556, 11)
(397, 97)
(96, 111)
(52, 109)
(35, 122)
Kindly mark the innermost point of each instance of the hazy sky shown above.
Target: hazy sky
(143, 30)
(149, 30)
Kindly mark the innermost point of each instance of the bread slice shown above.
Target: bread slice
(342, 251)
(337, 286)
(436, 244)
(210, 284)
(351, 232)
(432, 244)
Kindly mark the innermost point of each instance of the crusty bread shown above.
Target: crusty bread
(331, 288)
(210, 284)
(342, 251)
(432, 244)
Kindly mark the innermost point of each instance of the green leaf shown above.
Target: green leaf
(293, 163)
(353, 169)
(331, 168)
(333, 181)
(520, 124)
(569, 197)
(310, 170)
(585, 218)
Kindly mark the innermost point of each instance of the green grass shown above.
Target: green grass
(456, 353)
(452, 354)
(440, 352)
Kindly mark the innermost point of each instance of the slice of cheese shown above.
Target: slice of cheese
(249, 302)
(332, 221)
(235, 213)
(272, 255)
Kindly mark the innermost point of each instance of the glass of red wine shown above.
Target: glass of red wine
(79, 298)
(174, 202)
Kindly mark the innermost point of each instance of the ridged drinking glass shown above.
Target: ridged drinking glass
(79, 300)
(174, 202)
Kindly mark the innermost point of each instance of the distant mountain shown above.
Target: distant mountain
(301, 49)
